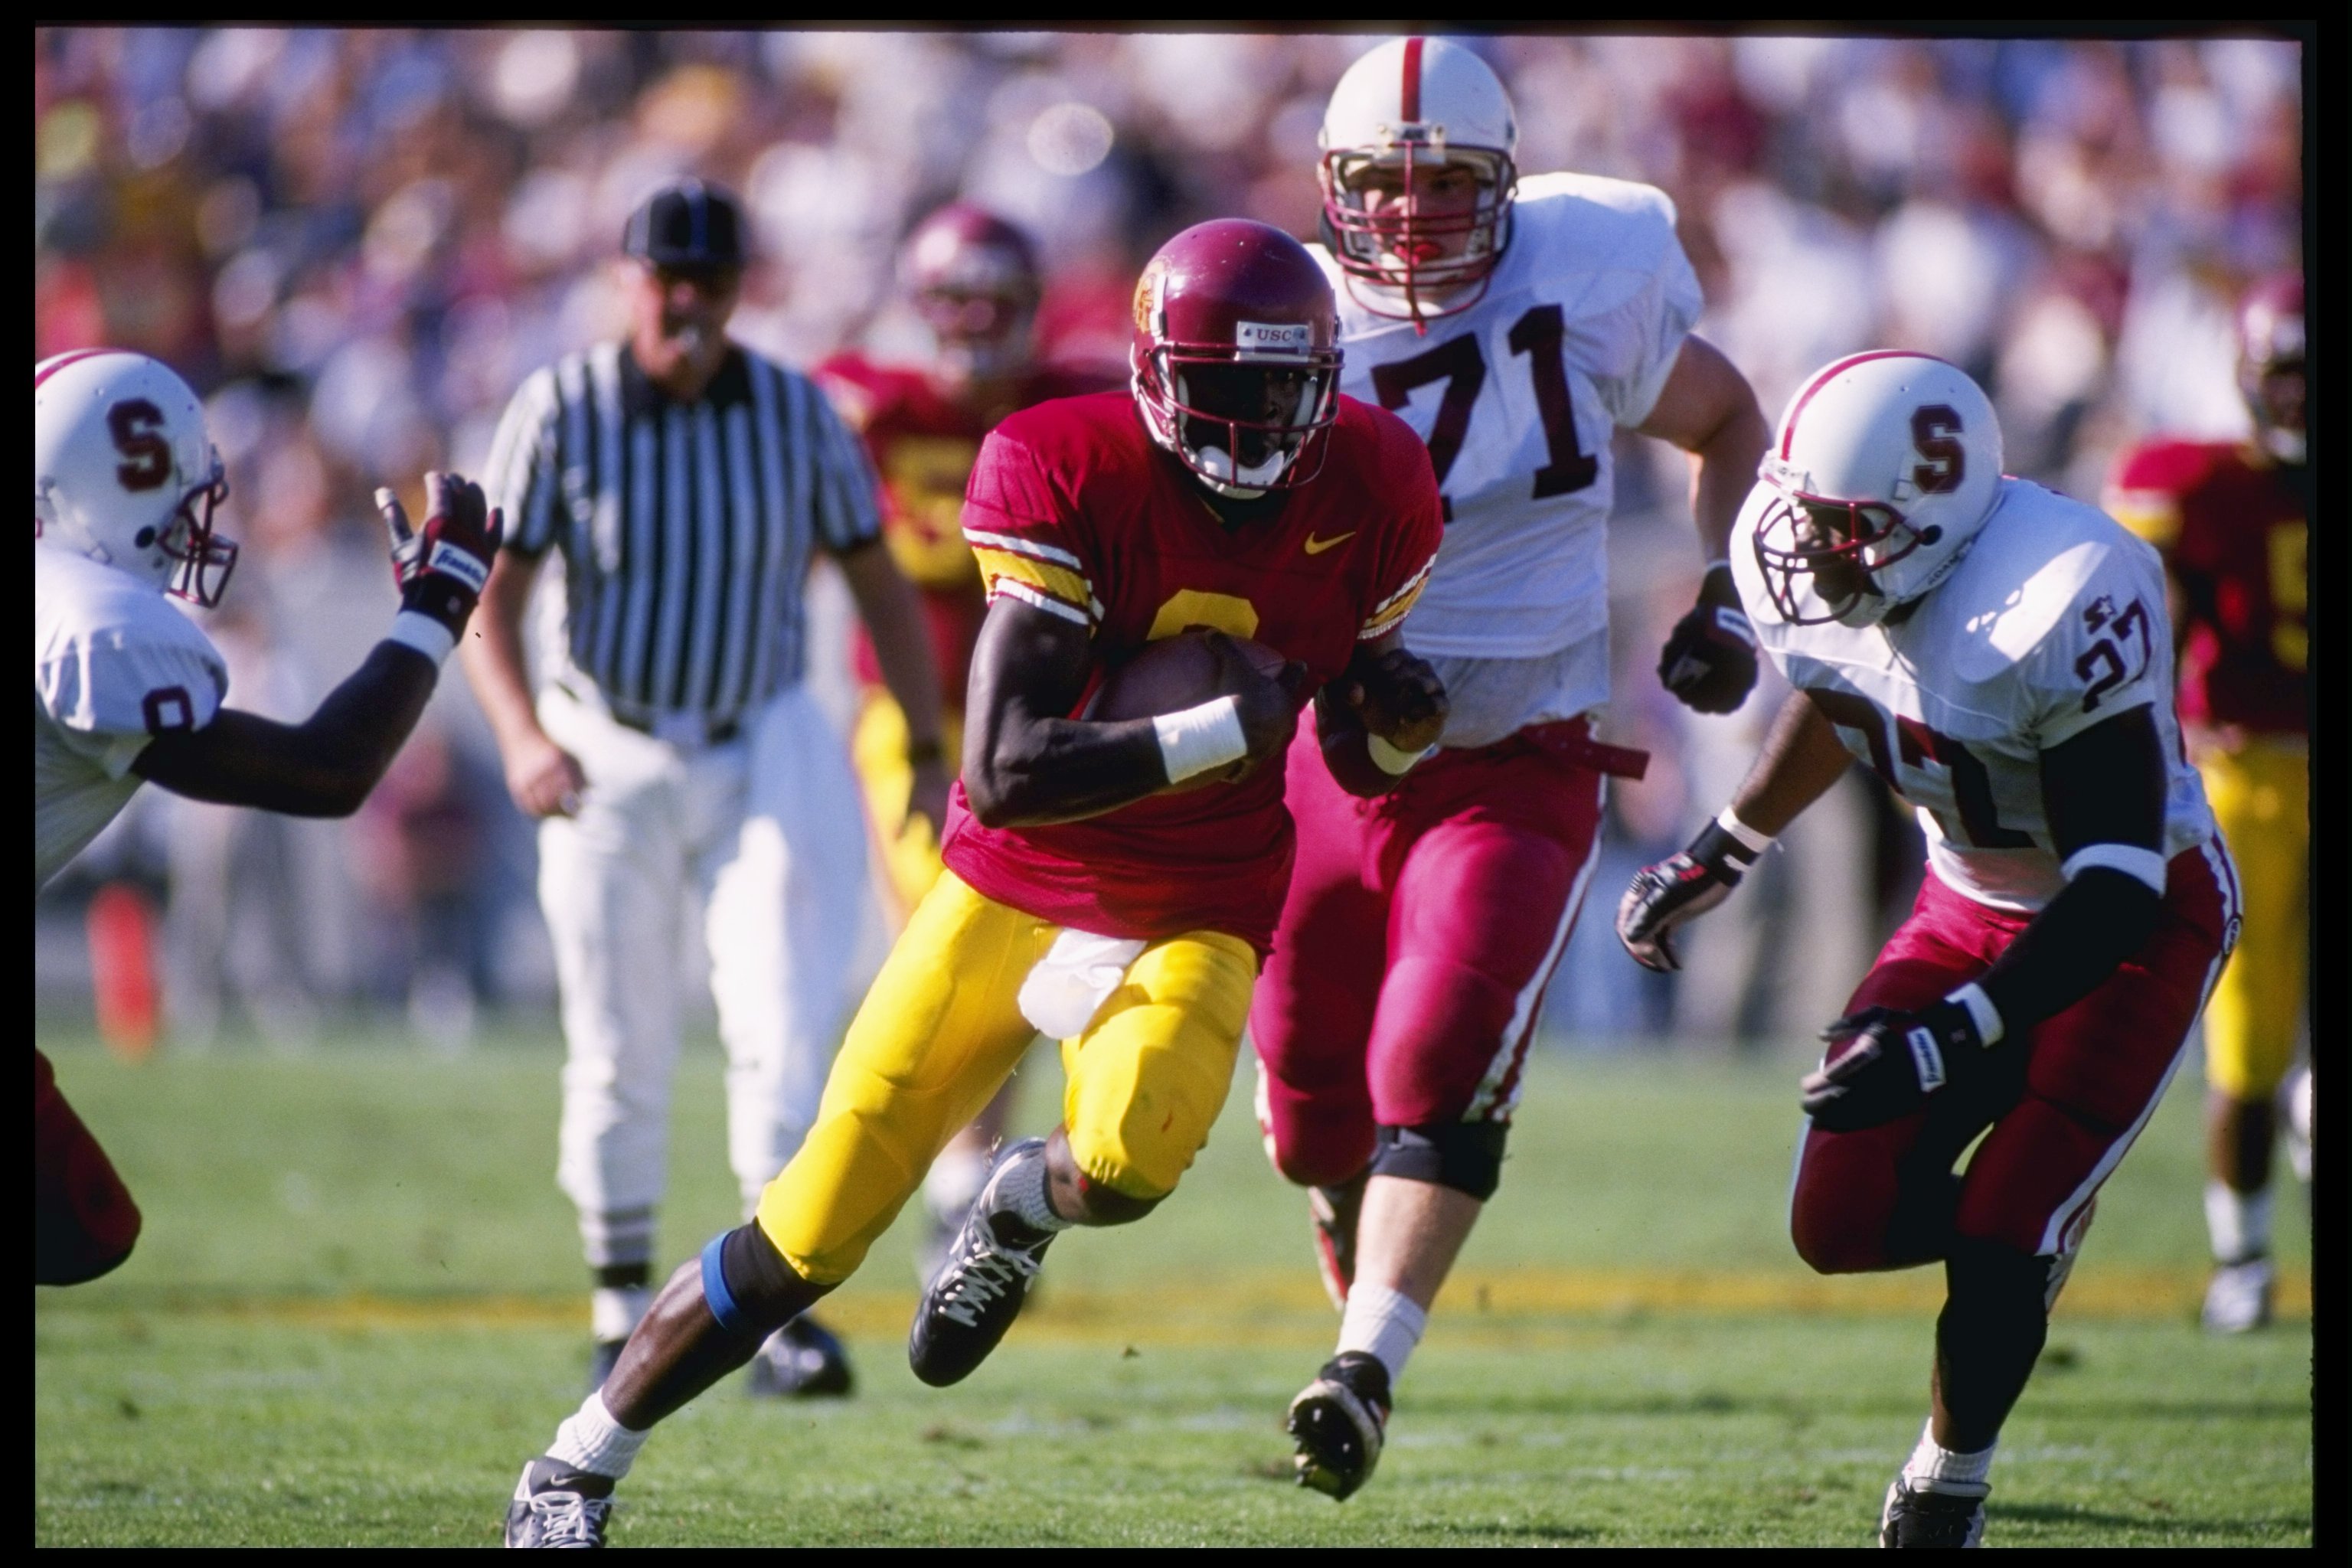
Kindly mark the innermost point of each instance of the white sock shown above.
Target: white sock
(590, 1440)
(1935, 1469)
(1020, 1193)
(1383, 1324)
(2239, 1223)
(614, 1310)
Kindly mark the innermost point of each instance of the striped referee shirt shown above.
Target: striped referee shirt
(685, 528)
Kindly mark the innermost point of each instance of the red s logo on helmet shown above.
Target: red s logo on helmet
(1934, 431)
(137, 426)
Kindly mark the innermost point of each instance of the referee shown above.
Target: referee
(686, 482)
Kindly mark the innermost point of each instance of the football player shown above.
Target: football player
(2228, 517)
(1998, 655)
(1515, 324)
(973, 279)
(1085, 894)
(127, 689)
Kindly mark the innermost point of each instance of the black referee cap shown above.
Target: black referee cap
(687, 223)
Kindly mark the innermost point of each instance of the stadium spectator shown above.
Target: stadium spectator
(394, 227)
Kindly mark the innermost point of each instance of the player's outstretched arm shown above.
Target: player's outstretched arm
(326, 765)
(1380, 717)
(1802, 757)
(1708, 410)
(1026, 764)
(2102, 792)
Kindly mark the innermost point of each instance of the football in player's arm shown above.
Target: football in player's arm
(125, 689)
(1232, 495)
(1998, 655)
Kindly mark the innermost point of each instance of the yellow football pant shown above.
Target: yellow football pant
(942, 1029)
(910, 850)
(2261, 796)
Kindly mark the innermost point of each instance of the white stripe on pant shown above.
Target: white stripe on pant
(769, 828)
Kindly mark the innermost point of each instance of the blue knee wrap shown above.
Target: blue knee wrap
(714, 1294)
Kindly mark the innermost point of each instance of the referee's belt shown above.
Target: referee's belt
(676, 729)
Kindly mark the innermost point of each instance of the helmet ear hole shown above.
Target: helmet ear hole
(144, 537)
(1931, 534)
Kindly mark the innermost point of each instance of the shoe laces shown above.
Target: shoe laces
(570, 1519)
(978, 1276)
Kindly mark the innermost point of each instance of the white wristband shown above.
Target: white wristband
(1748, 838)
(1198, 739)
(1393, 761)
(2141, 865)
(414, 628)
(1981, 1011)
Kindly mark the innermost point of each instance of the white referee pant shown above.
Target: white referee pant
(770, 828)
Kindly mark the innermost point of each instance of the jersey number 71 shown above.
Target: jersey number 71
(1462, 365)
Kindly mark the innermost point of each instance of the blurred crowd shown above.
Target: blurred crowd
(356, 244)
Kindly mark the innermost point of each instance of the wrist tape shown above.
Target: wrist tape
(1197, 739)
(1746, 837)
(1980, 1011)
(1391, 760)
(425, 634)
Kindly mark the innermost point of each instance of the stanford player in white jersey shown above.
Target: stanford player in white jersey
(1515, 324)
(2000, 655)
(127, 689)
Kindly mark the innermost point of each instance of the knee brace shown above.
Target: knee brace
(1465, 1155)
(747, 1284)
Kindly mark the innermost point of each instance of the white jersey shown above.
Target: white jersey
(114, 666)
(1518, 396)
(2053, 621)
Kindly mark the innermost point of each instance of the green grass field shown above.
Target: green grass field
(358, 1307)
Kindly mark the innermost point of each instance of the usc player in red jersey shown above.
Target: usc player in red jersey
(1233, 488)
(973, 279)
(2231, 520)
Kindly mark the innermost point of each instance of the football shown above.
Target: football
(1169, 676)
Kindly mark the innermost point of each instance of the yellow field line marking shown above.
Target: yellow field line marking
(1507, 1302)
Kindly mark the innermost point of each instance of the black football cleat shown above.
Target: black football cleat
(1951, 1517)
(602, 1359)
(1339, 1422)
(978, 1291)
(800, 1360)
(555, 1505)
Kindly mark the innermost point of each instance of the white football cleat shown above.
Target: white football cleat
(1951, 1515)
(2238, 1301)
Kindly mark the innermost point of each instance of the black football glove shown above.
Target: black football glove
(1709, 662)
(1897, 1061)
(441, 567)
(1682, 887)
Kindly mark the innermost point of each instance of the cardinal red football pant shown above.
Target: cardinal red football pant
(83, 1219)
(2063, 1106)
(1415, 944)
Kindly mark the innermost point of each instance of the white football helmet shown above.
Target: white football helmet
(1886, 465)
(124, 473)
(1410, 103)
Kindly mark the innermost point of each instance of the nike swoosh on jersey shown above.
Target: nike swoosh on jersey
(1317, 546)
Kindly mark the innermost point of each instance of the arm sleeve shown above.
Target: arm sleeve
(115, 688)
(846, 514)
(2110, 651)
(521, 476)
(1640, 339)
(1021, 528)
(1409, 541)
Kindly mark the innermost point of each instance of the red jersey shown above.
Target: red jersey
(1073, 509)
(2233, 529)
(923, 444)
